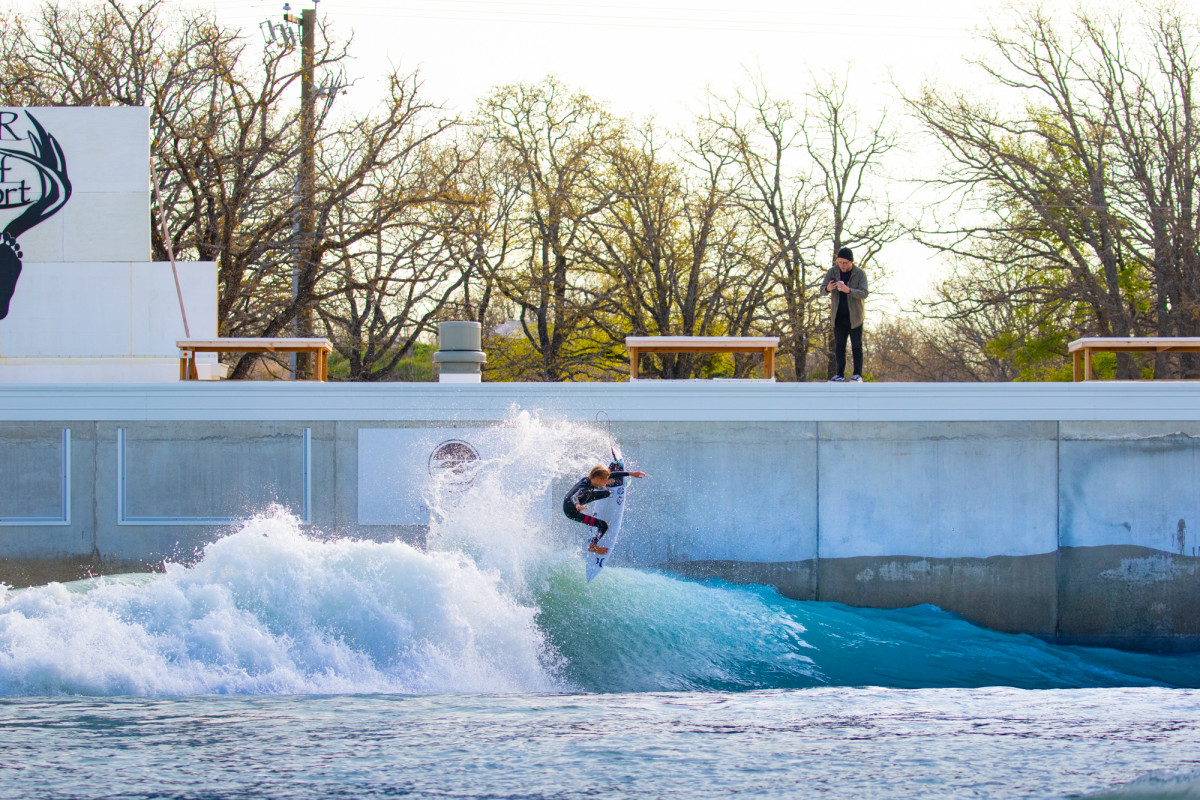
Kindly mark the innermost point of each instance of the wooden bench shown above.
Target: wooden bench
(320, 348)
(703, 344)
(1082, 349)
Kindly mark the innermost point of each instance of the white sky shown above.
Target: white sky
(657, 57)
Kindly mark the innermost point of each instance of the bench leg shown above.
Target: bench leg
(187, 368)
(633, 364)
(768, 364)
(1087, 365)
(1077, 366)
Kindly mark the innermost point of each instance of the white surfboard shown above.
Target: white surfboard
(611, 509)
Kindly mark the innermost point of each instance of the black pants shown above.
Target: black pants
(587, 519)
(842, 329)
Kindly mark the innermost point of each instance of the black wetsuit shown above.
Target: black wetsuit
(583, 493)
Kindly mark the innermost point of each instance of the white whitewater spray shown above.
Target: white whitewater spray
(507, 519)
(271, 610)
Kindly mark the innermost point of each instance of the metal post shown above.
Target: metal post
(305, 275)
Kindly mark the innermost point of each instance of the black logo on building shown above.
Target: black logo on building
(33, 183)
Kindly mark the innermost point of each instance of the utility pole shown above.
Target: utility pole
(304, 272)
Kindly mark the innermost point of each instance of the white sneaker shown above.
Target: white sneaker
(837, 379)
(856, 378)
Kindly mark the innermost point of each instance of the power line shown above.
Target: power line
(523, 12)
(593, 9)
(597, 9)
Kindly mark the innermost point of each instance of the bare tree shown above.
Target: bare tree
(382, 293)
(781, 210)
(554, 143)
(1150, 100)
(913, 349)
(660, 246)
(1088, 171)
(848, 157)
(805, 189)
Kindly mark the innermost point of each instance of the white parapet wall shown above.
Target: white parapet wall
(104, 322)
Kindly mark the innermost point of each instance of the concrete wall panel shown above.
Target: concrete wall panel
(1129, 596)
(1131, 484)
(941, 490)
(733, 492)
(106, 151)
(35, 463)
(179, 474)
(1130, 506)
(104, 322)
(106, 226)
(397, 468)
(1017, 594)
(79, 311)
(33, 527)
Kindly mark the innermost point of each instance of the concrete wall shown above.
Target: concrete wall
(105, 322)
(1068, 512)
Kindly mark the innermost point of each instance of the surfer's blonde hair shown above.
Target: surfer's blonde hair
(599, 471)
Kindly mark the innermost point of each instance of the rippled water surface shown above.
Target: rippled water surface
(844, 743)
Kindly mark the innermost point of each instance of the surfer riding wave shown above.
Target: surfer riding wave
(592, 487)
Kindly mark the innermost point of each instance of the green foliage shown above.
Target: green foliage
(415, 367)
(1038, 355)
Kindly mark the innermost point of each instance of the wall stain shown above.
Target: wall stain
(1152, 569)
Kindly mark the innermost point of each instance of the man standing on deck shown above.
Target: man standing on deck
(846, 285)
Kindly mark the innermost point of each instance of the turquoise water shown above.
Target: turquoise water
(292, 663)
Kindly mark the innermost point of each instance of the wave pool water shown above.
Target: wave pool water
(289, 662)
(271, 610)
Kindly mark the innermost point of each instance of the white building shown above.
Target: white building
(89, 305)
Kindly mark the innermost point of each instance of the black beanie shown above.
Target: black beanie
(846, 253)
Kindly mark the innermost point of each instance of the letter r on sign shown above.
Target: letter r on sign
(7, 118)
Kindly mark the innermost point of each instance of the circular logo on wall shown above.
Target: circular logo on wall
(454, 461)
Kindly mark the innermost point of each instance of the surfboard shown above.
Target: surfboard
(611, 509)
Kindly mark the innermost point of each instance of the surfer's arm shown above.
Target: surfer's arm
(578, 495)
(584, 494)
(622, 474)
